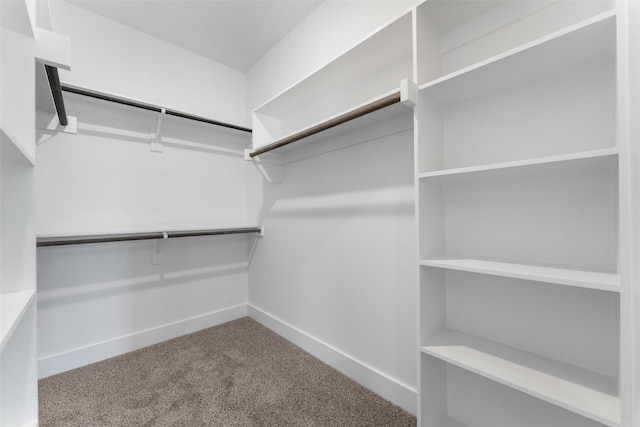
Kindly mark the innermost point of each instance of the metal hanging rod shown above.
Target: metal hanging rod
(56, 93)
(351, 115)
(79, 240)
(136, 104)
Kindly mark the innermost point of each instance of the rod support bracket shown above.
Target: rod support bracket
(156, 139)
(408, 93)
(157, 257)
(269, 165)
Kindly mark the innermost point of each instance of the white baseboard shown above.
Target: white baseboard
(376, 381)
(61, 362)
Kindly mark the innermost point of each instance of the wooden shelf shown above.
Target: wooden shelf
(586, 160)
(561, 276)
(578, 390)
(12, 307)
(588, 42)
(13, 153)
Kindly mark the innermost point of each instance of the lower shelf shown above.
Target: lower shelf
(12, 306)
(587, 393)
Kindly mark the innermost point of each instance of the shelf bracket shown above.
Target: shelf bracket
(157, 257)
(254, 244)
(269, 165)
(408, 93)
(48, 126)
(156, 139)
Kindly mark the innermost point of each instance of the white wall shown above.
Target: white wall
(99, 300)
(114, 58)
(96, 301)
(107, 179)
(335, 272)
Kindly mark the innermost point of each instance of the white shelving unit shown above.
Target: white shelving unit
(519, 207)
(23, 46)
(18, 378)
(369, 71)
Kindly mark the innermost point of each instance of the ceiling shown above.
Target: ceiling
(236, 33)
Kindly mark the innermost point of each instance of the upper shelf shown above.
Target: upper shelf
(17, 16)
(379, 109)
(590, 41)
(367, 71)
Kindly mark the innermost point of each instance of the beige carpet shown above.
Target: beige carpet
(236, 374)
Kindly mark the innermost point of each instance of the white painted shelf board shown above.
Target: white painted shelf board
(13, 153)
(448, 15)
(585, 160)
(587, 42)
(12, 307)
(15, 17)
(605, 281)
(346, 127)
(394, 39)
(587, 393)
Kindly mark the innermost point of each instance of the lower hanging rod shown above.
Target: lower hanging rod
(144, 106)
(346, 117)
(79, 240)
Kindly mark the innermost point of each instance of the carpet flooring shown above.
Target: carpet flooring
(236, 374)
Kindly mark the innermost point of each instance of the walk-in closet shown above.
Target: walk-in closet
(320, 213)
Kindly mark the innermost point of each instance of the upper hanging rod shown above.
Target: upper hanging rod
(56, 93)
(77, 240)
(136, 104)
(351, 115)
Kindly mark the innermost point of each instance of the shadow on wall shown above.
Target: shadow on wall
(105, 120)
(375, 174)
(339, 254)
(73, 274)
